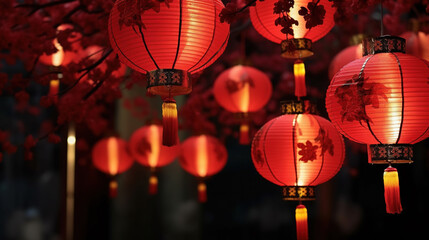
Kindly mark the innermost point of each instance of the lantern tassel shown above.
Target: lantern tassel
(170, 122)
(153, 185)
(392, 195)
(299, 73)
(202, 192)
(244, 134)
(301, 222)
(113, 189)
(54, 86)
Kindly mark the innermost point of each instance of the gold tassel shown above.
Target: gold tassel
(169, 122)
(244, 134)
(202, 192)
(153, 185)
(299, 73)
(113, 188)
(301, 222)
(392, 195)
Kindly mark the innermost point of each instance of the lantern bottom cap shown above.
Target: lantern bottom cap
(390, 153)
(169, 82)
(298, 193)
(297, 48)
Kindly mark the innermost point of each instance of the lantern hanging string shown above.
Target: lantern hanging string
(381, 18)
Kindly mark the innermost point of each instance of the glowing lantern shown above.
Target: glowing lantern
(242, 89)
(381, 100)
(146, 148)
(110, 155)
(263, 20)
(203, 156)
(298, 151)
(417, 44)
(181, 39)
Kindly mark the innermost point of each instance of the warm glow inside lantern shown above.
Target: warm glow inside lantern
(263, 20)
(382, 100)
(146, 148)
(203, 156)
(110, 155)
(242, 89)
(181, 39)
(298, 151)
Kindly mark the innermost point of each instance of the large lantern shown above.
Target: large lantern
(110, 155)
(203, 156)
(242, 89)
(264, 21)
(169, 45)
(298, 151)
(146, 148)
(382, 100)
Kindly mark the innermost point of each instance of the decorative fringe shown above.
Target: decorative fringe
(113, 189)
(153, 185)
(169, 122)
(54, 87)
(202, 192)
(301, 222)
(244, 134)
(392, 195)
(299, 73)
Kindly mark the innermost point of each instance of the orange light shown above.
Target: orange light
(202, 158)
(113, 157)
(299, 73)
(301, 222)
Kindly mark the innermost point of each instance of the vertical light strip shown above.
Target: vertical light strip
(71, 160)
(202, 158)
(112, 156)
(155, 146)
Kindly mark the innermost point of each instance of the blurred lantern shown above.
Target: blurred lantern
(417, 44)
(203, 156)
(347, 55)
(96, 53)
(60, 58)
(298, 151)
(298, 45)
(181, 39)
(110, 155)
(146, 148)
(381, 100)
(242, 89)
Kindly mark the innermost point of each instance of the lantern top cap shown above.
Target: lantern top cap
(297, 107)
(383, 44)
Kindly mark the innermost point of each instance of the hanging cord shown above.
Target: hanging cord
(381, 18)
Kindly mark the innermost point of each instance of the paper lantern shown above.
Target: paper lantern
(202, 156)
(298, 151)
(417, 44)
(242, 89)
(381, 100)
(146, 148)
(263, 20)
(110, 155)
(179, 40)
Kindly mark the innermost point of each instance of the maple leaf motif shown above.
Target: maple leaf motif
(326, 143)
(307, 152)
(356, 94)
(313, 14)
(144, 147)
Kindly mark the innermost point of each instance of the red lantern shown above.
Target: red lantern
(203, 156)
(344, 57)
(298, 151)
(263, 20)
(183, 38)
(146, 148)
(110, 155)
(242, 89)
(381, 100)
(417, 44)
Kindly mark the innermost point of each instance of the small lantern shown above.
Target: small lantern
(146, 148)
(203, 156)
(110, 155)
(242, 89)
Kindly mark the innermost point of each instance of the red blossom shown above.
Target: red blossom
(307, 151)
(53, 138)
